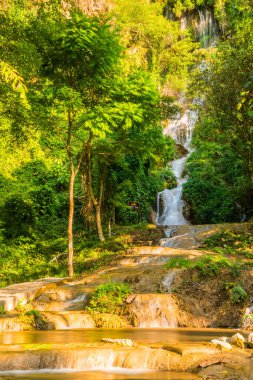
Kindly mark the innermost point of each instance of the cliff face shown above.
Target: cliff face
(92, 7)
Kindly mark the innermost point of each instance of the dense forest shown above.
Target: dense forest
(86, 91)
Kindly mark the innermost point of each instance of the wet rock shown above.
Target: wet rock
(182, 151)
(225, 339)
(238, 340)
(13, 295)
(109, 321)
(250, 340)
(130, 298)
(192, 349)
(248, 319)
(121, 342)
(221, 344)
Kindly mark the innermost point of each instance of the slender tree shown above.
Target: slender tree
(78, 54)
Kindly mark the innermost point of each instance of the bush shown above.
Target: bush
(19, 217)
(109, 298)
(211, 265)
(230, 242)
(236, 292)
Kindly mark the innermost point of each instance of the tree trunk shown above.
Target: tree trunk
(97, 203)
(70, 223)
(109, 228)
(99, 224)
(73, 172)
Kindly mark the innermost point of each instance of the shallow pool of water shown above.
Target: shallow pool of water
(145, 336)
(179, 335)
(116, 374)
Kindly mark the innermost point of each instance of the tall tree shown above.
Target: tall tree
(77, 54)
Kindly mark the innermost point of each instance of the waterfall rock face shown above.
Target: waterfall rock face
(93, 7)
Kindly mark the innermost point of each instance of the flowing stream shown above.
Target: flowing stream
(181, 130)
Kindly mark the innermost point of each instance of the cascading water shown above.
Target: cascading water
(208, 28)
(180, 130)
(170, 204)
(204, 25)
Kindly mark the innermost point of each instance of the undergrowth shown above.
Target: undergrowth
(231, 243)
(207, 265)
(236, 292)
(29, 258)
(109, 298)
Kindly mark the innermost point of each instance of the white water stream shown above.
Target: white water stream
(181, 130)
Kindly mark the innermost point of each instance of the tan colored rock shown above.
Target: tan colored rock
(13, 295)
(189, 349)
(121, 342)
(225, 339)
(221, 344)
(238, 340)
(250, 340)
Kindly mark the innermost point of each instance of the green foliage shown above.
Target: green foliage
(159, 44)
(44, 255)
(2, 310)
(179, 7)
(211, 265)
(213, 170)
(178, 262)
(110, 298)
(12, 76)
(54, 68)
(35, 313)
(236, 292)
(220, 169)
(19, 217)
(229, 242)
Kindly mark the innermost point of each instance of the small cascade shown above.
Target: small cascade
(154, 310)
(62, 298)
(68, 320)
(203, 24)
(77, 359)
(168, 280)
(207, 28)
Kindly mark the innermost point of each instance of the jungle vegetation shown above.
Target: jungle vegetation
(84, 98)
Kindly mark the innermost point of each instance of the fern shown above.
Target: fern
(11, 76)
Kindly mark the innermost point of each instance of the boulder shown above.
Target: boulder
(238, 340)
(225, 339)
(250, 340)
(221, 344)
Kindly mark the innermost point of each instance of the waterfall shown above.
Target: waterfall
(155, 310)
(181, 130)
(207, 28)
(204, 26)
